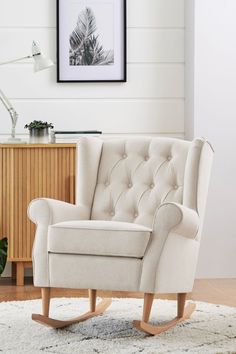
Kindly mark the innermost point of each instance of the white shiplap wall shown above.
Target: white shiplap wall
(152, 101)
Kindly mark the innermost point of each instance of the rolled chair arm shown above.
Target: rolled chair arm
(187, 220)
(170, 219)
(47, 211)
(44, 212)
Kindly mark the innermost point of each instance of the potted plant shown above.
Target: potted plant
(3, 254)
(39, 131)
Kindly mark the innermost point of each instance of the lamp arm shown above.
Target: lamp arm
(7, 104)
(40, 63)
(15, 60)
(14, 115)
(3, 97)
(19, 59)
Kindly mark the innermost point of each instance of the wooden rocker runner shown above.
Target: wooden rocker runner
(183, 313)
(95, 310)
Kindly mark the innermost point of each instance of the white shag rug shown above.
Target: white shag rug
(211, 329)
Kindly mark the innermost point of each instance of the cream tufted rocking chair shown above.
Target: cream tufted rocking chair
(136, 225)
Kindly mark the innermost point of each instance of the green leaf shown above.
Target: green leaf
(3, 253)
(38, 124)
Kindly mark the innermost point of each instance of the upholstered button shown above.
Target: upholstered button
(169, 158)
(124, 156)
(130, 185)
(151, 185)
(112, 213)
(106, 183)
(176, 187)
(146, 158)
(135, 215)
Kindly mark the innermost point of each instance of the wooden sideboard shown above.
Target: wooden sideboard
(28, 171)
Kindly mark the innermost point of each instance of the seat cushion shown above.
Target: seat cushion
(96, 237)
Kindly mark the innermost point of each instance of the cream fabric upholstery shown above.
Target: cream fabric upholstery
(136, 176)
(102, 272)
(137, 222)
(95, 237)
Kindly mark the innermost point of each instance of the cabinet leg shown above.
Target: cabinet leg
(13, 270)
(20, 273)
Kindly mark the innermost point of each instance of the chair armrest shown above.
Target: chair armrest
(44, 212)
(170, 219)
(47, 211)
(181, 220)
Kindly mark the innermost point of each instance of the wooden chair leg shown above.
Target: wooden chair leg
(181, 299)
(183, 313)
(147, 306)
(45, 292)
(92, 299)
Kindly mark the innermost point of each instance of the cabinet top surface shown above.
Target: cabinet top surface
(30, 146)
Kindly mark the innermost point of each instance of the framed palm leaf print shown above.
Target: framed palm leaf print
(91, 40)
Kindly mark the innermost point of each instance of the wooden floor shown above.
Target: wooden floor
(217, 291)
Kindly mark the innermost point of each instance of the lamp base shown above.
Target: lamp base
(13, 141)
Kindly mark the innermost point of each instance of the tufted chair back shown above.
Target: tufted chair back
(128, 179)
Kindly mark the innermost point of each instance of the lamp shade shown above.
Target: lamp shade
(41, 62)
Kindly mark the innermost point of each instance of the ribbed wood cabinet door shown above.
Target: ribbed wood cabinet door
(28, 172)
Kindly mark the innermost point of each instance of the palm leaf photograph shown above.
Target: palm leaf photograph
(85, 48)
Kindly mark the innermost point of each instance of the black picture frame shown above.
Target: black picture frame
(69, 68)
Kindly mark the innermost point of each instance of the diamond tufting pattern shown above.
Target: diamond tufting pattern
(136, 176)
